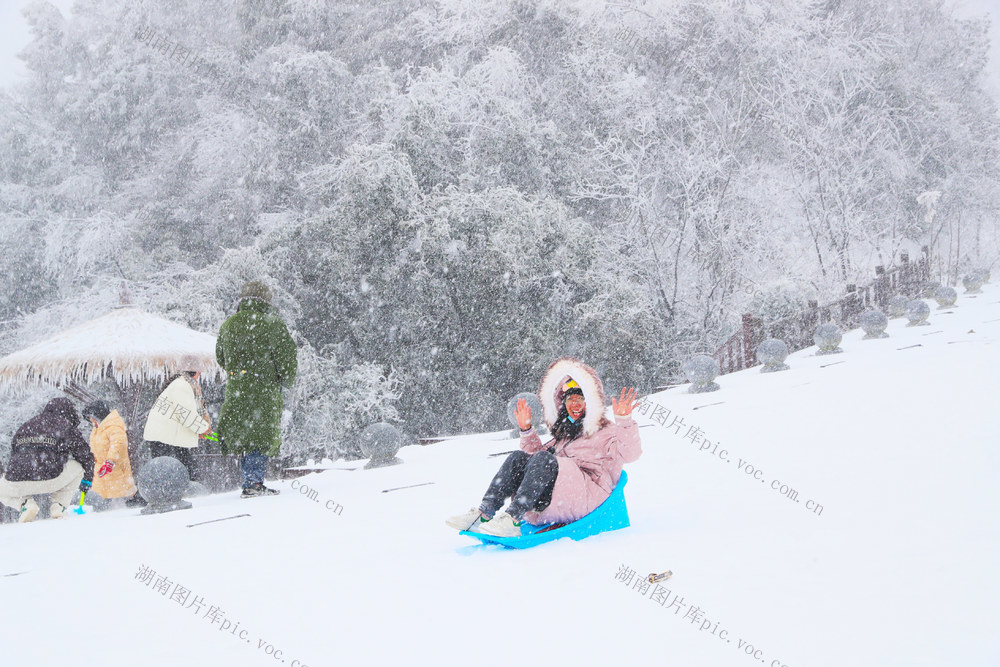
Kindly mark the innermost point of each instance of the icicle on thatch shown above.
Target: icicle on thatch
(126, 345)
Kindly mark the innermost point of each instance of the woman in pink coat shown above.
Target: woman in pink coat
(569, 476)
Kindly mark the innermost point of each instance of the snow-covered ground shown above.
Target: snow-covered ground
(895, 439)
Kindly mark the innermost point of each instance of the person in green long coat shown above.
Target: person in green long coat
(260, 359)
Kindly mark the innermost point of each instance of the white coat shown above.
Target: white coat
(178, 416)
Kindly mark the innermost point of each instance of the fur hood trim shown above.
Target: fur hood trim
(550, 393)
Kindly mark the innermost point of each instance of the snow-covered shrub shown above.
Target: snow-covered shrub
(778, 300)
(780, 306)
(331, 403)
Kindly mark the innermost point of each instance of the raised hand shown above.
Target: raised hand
(624, 406)
(523, 414)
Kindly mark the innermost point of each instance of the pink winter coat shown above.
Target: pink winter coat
(590, 465)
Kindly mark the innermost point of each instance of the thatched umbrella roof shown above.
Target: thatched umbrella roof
(128, 346)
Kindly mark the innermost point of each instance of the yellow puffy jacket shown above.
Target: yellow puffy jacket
(109, 442)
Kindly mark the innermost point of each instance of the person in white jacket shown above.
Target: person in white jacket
(178, 420)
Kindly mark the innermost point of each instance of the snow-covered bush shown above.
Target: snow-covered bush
(779, 299)
(331, 403)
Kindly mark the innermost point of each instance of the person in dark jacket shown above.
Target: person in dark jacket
(260, 359)
(48, 455)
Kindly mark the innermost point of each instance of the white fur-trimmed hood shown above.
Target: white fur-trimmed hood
(550, 393)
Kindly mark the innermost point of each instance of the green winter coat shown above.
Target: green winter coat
(259, 356)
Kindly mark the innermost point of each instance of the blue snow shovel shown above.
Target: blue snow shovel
(79, 510)
(83, 493)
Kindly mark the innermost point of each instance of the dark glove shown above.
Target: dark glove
(106, 468)
(85, 486)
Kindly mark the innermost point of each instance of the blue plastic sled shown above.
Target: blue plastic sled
(612, 514)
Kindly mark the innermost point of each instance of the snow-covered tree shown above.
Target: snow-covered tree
(445, 196)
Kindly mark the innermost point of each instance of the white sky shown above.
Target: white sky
(975, 8)
(14, 36)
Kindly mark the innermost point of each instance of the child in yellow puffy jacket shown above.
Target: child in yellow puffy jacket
(109, 444)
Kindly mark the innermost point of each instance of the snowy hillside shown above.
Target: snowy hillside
(894, 439)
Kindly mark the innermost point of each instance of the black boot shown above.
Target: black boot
(258, 489)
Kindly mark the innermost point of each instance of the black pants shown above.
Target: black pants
(182, 454)
(528, 479)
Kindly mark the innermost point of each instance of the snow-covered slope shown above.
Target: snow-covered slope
(895, 439)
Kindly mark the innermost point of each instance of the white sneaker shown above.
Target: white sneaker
(58, 511)
(29, 510)
(471, 521)
(502, 525)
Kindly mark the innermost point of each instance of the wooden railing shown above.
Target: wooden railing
(739, 351)
(797, 330)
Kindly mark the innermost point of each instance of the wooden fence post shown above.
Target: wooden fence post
(749, 344)
(849, 306)
(881, 288)
(905, 282)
